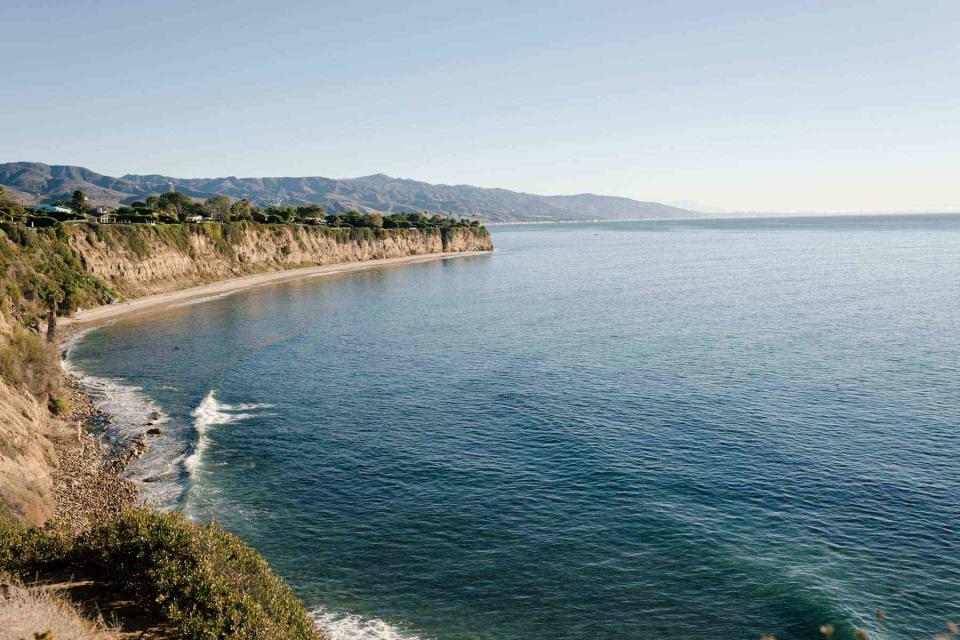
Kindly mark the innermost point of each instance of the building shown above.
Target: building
(50, 208)
(194, 219)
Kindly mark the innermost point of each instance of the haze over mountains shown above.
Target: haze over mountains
(36, 183)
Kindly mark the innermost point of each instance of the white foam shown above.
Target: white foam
(212, 412)
(130, 409)
(347, 626)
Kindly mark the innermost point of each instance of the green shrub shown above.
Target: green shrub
(60, 405)
(202, 580)
(220, 242)
(39, 265)
(42, 222)
(205, 581)
(25, 550)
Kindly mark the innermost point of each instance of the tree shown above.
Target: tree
(176, 203)
(284, 214)
(78, 203)
(218, 207)
(312, 211)
(242, 210)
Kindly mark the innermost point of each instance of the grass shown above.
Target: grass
(26, 359)
(37, 613)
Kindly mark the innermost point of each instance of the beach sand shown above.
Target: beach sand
(102, 315)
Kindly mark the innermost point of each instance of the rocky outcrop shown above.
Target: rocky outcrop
(141, 260)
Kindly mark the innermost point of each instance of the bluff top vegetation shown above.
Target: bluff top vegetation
(36, 182)
(174, 207)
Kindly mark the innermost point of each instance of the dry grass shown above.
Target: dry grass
(28, 613)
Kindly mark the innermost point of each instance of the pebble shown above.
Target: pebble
(88, 485)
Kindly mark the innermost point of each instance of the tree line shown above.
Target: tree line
(174, 207)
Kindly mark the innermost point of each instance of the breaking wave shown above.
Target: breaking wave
(347, 626)
(211, 412)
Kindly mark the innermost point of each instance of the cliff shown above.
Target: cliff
(136, 260)
(27, 455)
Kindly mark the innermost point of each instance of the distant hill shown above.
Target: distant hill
(36, 183)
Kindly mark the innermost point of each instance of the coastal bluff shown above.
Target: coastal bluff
(139, 260)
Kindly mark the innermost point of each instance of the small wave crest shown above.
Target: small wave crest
(347, 626)
(211, 412)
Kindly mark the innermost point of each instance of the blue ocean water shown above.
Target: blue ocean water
(672, 430)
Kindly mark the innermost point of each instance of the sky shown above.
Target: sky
(739, 106)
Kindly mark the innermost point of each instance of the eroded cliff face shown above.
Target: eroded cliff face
(141, 260)
(27, 456)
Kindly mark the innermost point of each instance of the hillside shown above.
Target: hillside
(35, 183)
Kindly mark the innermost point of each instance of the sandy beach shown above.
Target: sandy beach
(108, 313)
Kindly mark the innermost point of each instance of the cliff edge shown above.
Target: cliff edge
(137, 260)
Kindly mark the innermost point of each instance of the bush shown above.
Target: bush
(39, 265)
(205, 581)
(202, 580)
(60, 406)
(26, 550)
(42, 222)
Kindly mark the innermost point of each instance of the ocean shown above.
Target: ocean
(667, 429)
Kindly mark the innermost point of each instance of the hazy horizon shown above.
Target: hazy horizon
(743, 108)
(691, 206)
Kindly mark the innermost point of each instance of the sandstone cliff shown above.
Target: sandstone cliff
(141, 260)
(27, 455)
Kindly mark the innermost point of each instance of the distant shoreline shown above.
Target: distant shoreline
(101, 315)
(736, 215)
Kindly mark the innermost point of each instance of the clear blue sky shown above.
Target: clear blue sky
(741, 105)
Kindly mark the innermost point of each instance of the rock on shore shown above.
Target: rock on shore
(88, 484)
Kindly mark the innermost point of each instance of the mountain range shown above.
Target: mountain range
(36, 183)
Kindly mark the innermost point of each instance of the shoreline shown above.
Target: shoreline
(94, 478)
(91, 480)
(97, 316)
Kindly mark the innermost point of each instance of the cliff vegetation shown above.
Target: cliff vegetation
(202, 582)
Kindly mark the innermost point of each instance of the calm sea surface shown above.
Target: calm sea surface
(654, 430)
